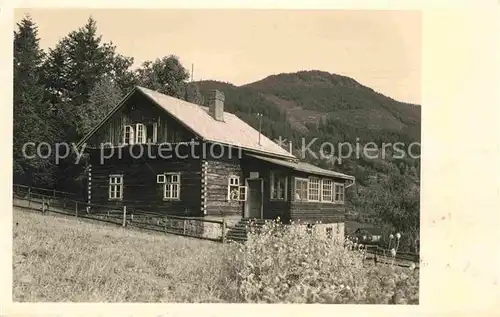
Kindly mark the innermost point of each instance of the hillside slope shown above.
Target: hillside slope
(305, 105)
(308, 98)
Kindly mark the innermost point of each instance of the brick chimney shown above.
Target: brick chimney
(216, 104)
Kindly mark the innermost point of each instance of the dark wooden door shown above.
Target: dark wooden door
(254, 199)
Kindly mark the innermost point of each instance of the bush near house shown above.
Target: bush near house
(280, 264)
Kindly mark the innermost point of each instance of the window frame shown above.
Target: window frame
(301, 179)
(143, 136)
(131, 138)
(332, 190)
(233, 183)
(309, 187)
(234, 186)
(115, 185)
(245, 193)
(171, 185)
(159, 178)
(342, 185)
(272, 177)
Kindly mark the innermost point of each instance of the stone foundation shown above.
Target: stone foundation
(214, 230)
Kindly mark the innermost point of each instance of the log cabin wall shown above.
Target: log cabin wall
(311, 212)
(140, 187)
(138, 109)
(221, 163)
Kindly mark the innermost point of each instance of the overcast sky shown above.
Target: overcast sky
(380, 49)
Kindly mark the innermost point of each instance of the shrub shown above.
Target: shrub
(287, 265)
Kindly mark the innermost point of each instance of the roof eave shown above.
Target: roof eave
(317, 173)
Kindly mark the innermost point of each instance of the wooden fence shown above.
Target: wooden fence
(64, 203)
(380, 255)
(46, 200)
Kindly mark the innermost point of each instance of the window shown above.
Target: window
(278, 186)
(160, 178)
(243, 193)
(115, 186)
(171, 187)
(301, 188)
(234, 190)
(140, 134)
(314, 189)
(327, 190)
(128, 135)
(339, 193)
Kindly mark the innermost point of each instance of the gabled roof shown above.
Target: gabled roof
(302, 167)
(233, 131)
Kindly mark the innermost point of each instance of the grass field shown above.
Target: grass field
(61, 258)
(64, 259)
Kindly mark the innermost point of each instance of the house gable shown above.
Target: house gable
(136, 108)
(232, 131)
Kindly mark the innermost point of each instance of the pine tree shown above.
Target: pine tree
(77, 64)
(32, 116)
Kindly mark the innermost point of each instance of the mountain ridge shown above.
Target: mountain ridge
(308, 100)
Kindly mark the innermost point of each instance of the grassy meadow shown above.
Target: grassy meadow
(63, 259)
(59, 258)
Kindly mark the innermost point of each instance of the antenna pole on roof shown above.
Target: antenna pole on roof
(260, 124)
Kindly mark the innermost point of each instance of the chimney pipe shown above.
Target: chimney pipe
(216, 104)
(290, 147)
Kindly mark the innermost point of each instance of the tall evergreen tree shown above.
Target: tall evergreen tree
(32, 116)
(76, 65)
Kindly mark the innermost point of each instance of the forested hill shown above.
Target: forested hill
(311, 100)
(330, 107)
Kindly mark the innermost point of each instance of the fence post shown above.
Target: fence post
(29, 197)
(223, 230)
(184, 226)
(76, 208)
(43, 205)
(54, 193)
(124, 216)
(166, 219)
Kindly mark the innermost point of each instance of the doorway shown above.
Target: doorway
(253, 206)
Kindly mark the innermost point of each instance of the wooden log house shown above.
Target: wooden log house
(204, 162)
